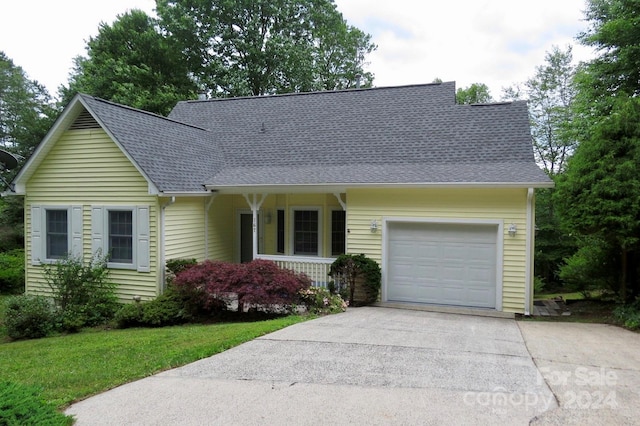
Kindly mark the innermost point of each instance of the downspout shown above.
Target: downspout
(162, 242)
(207, 207)
(529, 251)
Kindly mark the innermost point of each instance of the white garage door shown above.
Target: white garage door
(448, 264)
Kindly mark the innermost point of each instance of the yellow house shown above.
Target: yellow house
(440, 195)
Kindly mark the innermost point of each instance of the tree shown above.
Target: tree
(599, 195)
(26, 113)
(551, 93)
(258, 47)
(132, 63)
(614, 32)
(477, 93)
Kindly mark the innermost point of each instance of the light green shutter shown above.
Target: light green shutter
(36, 235)
(142, 239)
(97, 230)
(76, 231)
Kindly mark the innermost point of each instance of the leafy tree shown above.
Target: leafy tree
(599, 195)
(26, 113)
(614, 32)
(257, 47)
(132, 63)
(477, 93)
(551, 93)
(26, 110)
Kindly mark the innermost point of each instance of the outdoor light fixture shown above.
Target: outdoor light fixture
(374, 225)
(267, 217)
(513, 229)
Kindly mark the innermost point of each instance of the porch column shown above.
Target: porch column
(255, 205)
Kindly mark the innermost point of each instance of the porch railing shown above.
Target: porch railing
(316, 268)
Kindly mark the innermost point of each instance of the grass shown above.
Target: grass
(72, 367)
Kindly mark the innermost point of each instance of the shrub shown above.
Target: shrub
(129, 315)
(322, 301)
(256, 284)
(81, 291)
(176, 266)
(12, 271)
(29, 317)
(629, 315)
(23, 405)
(348, 268)
(170, 308)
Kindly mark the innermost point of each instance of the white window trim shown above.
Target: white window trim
(292, 224)
(39, 232)
(140, 237)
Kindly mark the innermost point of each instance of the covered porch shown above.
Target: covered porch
(301, 231)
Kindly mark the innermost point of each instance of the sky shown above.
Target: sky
(496, 42)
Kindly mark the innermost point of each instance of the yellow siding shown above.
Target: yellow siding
(220, 233)
(85, 167)
(185, 229)
(507, 205)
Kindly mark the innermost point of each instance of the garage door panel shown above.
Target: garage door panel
(443, 264)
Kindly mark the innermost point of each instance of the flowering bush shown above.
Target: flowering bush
(259, 283)
(322, 301)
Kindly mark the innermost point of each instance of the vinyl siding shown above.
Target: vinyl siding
(220, 234)
(506, 205)
(185, 229)
(86, 168)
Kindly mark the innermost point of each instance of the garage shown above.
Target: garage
(442, 263)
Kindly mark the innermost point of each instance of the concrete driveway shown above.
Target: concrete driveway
(366, 366)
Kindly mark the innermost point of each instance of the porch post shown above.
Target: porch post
(255, 205)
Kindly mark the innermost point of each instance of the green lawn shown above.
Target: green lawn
(72, 367)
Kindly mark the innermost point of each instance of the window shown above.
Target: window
(57, 234)
(305, 232)
(120, 247)
(338, 240)
(122, 233)
(280, 232)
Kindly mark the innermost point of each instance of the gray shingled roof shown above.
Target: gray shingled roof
(403, 135)
(175, 156)
(395, 135)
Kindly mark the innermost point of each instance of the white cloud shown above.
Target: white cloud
(496, 42)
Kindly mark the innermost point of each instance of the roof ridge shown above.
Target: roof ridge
(115, 104)
(316, 92)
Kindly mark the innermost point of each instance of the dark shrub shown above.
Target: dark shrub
(259, 283)
(23, 405)
(12, 272)
(29, 317)
(349, 270)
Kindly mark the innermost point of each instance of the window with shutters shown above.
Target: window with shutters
(122, 234)
(56, 232)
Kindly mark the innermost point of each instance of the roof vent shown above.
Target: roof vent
(84, 121)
